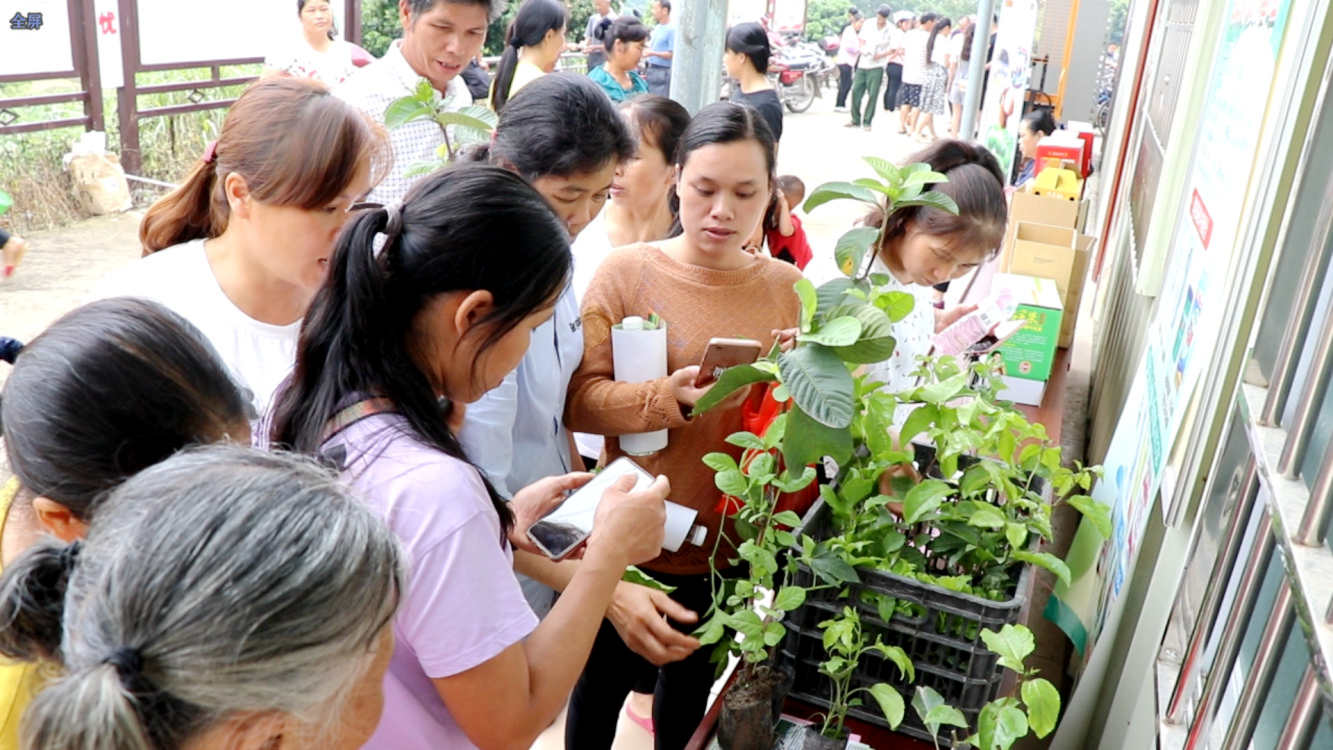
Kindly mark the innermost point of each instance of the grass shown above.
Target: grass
(31, 164)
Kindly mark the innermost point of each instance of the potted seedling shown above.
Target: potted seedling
(846, 645)
(469, 125)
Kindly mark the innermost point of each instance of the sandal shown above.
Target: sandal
(646, 722)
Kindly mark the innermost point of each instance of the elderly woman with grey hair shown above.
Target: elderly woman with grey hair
(224, 598)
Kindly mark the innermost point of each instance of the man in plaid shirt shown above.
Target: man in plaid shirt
(440, 37)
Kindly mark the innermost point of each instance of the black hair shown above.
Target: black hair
(968, 36)
(662, 122)
(927, 17)
(534, 20)
(751, 40)
(494, 8)
(666, 5)
(725, 122)
(884, 10)
(1040, 120)
(108, 390)
(625, 29)
(940, 24)
(9, 349)
(560, 124)
(976, 184)
(465, 228)
(300, 6)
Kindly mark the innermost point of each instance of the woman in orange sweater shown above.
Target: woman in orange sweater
(703, 284)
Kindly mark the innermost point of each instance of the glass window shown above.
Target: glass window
(1323, 735)
(1276, 706)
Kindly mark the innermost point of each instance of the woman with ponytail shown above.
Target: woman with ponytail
(107, 390)
(471, 263)
(935, 90)
(924, 246)
(533, 43)
(224, 598)
(241, 247)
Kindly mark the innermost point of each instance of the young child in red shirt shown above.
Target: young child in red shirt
(786, 238)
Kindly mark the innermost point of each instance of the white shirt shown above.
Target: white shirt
(590, 248)
(913, 333)
(875, 42)
(372, 89)
(516, 432)
(914, 56)
(943, 48)
(849, 44)
(299, 60)
(258, 355)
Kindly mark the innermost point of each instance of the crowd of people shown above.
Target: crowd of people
(921, 62)
(271, 487)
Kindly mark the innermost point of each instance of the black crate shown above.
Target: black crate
(942, 637)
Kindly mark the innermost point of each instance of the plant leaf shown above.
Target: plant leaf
(832, 294)
(1098, 513)
(890, 703)
(745, 440)
(842, 331)
(886, 169)
(987, 516)
(460, 120)
(789, 598)
(921, 418)
(1043, 704)
(897, 305)
(924, 177)
(931, 199)
(850, 252)
(924, 498)
(876, 342)
(831, 191)
(833, 569)
(819, 383)
(634, 575)
(405, 110)
(1045, 560)
(900, 659)
(946, 715)
(1013, 644)
(944, 390)
(720, 462)
(808, 441)
(1017, 534)
(731, 380)
(805, 291)
(731, 482)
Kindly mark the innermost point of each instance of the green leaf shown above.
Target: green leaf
(897, 305)
(1017, 534)
(720, 462)
(833, 569)
(1098, 513)
(789, 598)
(634, 575)
(1043, 703)
(1013, 644)
(931, 199)
(944, 390)
(842, 331)
(762, 468)
(924, 498)
(876, 342)
(924, 177)
(886, 169)
(731, 482)
(831, 191)
(808, 441)
(900, 659)
(921, 419)
(1046, 560)
(805, 291)
(1000, 725)
(458, 119)
(890, 703)
(819, 383)
(788, 483)
(850, 252)
(712, 631)
(731, 380)
(405, 110)
(934, 712)
(774, 632)
(787, 518)
(833, 294)
(946, 715)
(745, 440)
(987, 516)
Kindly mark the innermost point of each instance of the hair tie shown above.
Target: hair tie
(211, 152)
(393, 222)
(69, 555)
(9, 349)
(128, 663)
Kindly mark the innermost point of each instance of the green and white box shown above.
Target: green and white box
(1029, 354)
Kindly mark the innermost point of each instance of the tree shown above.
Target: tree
(1115, 24)
(379, 25)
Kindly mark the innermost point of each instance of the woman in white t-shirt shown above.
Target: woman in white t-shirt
(935, 90)
(317, 55)
(242, 246)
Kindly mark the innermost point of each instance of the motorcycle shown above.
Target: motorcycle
(800, 71)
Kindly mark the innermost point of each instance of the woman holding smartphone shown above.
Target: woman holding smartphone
(725, 168)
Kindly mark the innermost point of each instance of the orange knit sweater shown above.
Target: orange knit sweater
(697, 304)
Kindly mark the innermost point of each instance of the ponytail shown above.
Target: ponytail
(32, 601)
(195, 210)
(87, 709)
(528, 29)
(941, 23)
(504, 72)
(976, 185)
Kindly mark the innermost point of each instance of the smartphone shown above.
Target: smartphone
(724, 353)
(561, 531)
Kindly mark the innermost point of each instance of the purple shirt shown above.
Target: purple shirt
(463, 605)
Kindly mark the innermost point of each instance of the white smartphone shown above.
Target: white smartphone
(561, 531)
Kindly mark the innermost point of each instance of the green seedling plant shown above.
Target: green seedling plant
(469, 125)
(845, 643)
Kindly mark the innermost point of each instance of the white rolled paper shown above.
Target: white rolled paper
(679, 525)
(639, 355)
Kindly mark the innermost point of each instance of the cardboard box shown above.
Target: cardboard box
(1045, 251)
(1038, 209)
(1029, 354)
(1073, 294)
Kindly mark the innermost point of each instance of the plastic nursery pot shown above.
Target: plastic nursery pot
(815, 741)
(746, 721)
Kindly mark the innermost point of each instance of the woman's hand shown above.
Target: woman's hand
(946, 318)
(683, 388)
(538, 499)
(786, 338)
(629, 522)
(639, 615)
